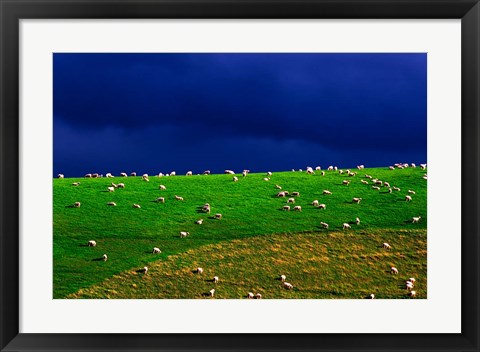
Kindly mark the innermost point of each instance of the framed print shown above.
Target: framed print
(198, 175)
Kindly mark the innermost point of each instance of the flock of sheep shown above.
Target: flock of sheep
(206, 208)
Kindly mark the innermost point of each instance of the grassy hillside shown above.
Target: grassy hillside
(249, 208)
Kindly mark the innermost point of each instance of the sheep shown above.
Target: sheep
(133, 174)
(76, 204)
(286, 208)
(346, 226)
(206, 209)
(413, 165)
(178, 198)
(212, 292)
(156, 250)
(287, 285)
(423, 166)
(258, 296)
(145, 176)
(162, 187)
(356, 200)
(357, 221)
(386, 246)
(393, 270)
(281, 194)
(61, 176)
(199, 271)
(104, 257)
(123, 174)
(244, 173)
(324, 225)
(235, 179)
(368, 176)
(199, 222)
(114, 185)
(412, 279)
(111, 189)
(189, 173)
(278, 187)
(269, 173)
(215, 279)
(266, 179)
(145, 179)
(229, 172)
(389, 190)
(411, 192)
(76, 184)
(315, 203)
(283, 278)
(396, 188)
(323, 173)
(160, 200)
(137, 206)
(144, 270)
(88, 176)
(218, 216)
(113, 204)
(340, 172)
(121, 185)
(160, 174)
(378, 182)
(330, 168)
(327, 192)
(360, 167)
(318, 168)
(250, 295)
(310, 171)
(297, 208)
(206, 172)
(376, 188)
(109, 175)
(352, 174)
(92, 243)
(416, 219)
(424, 176)
(346, 182)
(408, 198)
(391, 168)
(409, 286)
(184, 234)
(412, 293)
(386, 184)
(322, 206)
(291, 200)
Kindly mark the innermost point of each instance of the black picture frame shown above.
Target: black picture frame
(11, 11)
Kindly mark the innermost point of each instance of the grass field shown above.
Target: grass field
(250, 246)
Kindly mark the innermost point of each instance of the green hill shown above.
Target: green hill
(252, 216)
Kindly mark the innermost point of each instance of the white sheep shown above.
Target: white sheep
(372, 296)
(199, 222)
(357, 221)
(315, 203)
(386, 246)
(396, 188)
(330, 168)
(324, 225)
(250, 295)
(283, 278)
(235, 179)
(408, 198)
(318, 168)
(206, 172)
(137, 206)
(113, 204)
(160, 174)
(389, 190)
(61, 176)
(409, 286)
(258, 296)
(412, 293)
(266, 179)
(323, 173)
(218, 216)
(178, 198)
(144, 270)
(77, 204)
(104, 257)
(212, 292)
(423, 166)
(322, 206)
(123, 174)
(229, 172)
(297, 208)
(413, 165)
(108, 174)
(281, 194)
(269, 173)
(215, 279)
(133, 174)
(145, 179)
(162, 187)
(356, 200)
(412, 279)
(286, 207)
(88, 176)
(156, 250)
(287, 285)
(121, 185)
(244, 173)
(184, 234)
(291, 200)
(346, 182)
(278, 187)
(189, 173)
(411, 192)
(391, 168)
(376, 188)
(327, 192)
(368, 176)
(160, 200)
(92, 243)
(76, 184)
(199, 271)
(111, 189)
(416, 219)
(393, 270)
(346, 226)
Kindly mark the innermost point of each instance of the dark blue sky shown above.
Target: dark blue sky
(153, 113)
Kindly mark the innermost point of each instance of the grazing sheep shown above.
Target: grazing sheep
(291, 200)
(412, 279)
(184, 234)
(310, 171)
(76, 204)
(121, 185)
(113, 204)
(357, 221)
(266, 179)
(111, 189)
(156, 250)
(123, 174)
(229, 172)
(386, 246)
(244, 173)
(162, 187)
(376, 188)
(408, 198)
(133, 174)
(318, 168)
(215, 279)
(423, 166)
(206, 172)
(389, 190)
(137, 206)
(160, 174)
(315, 203)
(396, 188)
(297, 208)
(386, 184)
(360, 167)
(393, 270)
(409, 286)
(424, 176)
(368, 176)
(189, 173)
(346, 182)
(178, 198)
(330, 168)
(235, 179)
(269, 173)
(346, 226)
(416, 219)
(278, 187)
(322, 206)
(76, 184)
(212, 292)
(199, 222)
(412, 293)
(218, 216)
(324, 224)
(108, 174)
(160, 200)
(144, 270)
(206, 209)
(323, 173)
(61, 176)
(199, 271)
(411, 192)
(287, 285)
(258, 296)
(250, 295)
(88, 176)
(372, 296)
(145, 179)
(391, 168)
(283, 278)
(92, 243)
(413, 165)
(356, 200)
(104, 257)
(286, 207)
(325, 191)
(340, 172)
(281, 194)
